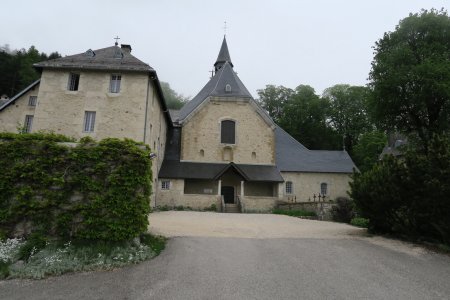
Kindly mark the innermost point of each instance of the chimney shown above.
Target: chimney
(125, 48)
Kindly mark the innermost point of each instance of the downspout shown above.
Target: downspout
(146, 112)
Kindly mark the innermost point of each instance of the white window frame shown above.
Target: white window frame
(32, 101)
(289, 188)
(28, 125)
(114, 83)
(324, 186)
(74, 82)
(165, 184)
(89, 121)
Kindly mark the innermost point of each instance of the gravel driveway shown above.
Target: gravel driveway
(250, 256)
(263, 226)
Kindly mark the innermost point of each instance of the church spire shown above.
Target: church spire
(224, 56)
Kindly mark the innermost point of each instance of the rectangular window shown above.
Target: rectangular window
(288, 187)
(89, 121)
(74, 80)
(32, 101)
(228, 134)
(323, 188)
(165, 185)
(114, 86)
(28, 123)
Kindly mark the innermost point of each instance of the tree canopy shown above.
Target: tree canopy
(410, 76)
(347, 112)
(17, 69)
(173, 99)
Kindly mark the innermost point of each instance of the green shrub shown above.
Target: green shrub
(34, 244)
(360, 222)
(4, 270)
(343, 210)
(294, 213)
(54, 137)
(110, 180)
(85, 255)
(408, 196)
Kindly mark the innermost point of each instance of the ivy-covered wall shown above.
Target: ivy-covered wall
(87, 190)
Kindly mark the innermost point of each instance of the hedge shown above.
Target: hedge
(90, 191)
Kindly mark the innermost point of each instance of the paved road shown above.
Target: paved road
(205, 267)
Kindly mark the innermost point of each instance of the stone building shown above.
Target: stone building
(224, 149)
(221, 148)
(99, 93)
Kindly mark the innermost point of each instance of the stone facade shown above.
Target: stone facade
(12, 118)
(305, 185)
(255, 139)
(117, 114)
(174, 196)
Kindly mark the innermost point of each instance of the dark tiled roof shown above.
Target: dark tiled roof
(20, 94)
(216, 87)
(291, 156)
(111, 58)
(224, 55)
(192, 170)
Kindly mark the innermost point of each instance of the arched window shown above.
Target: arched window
(228, 132)
(289, 189)
(323, 188)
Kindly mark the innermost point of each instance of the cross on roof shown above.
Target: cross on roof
(225, 27)
(116, 38)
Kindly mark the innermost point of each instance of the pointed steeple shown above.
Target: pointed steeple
(224, 56)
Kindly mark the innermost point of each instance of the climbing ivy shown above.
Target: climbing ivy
(90, 191)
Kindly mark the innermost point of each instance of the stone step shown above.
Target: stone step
(232, 208)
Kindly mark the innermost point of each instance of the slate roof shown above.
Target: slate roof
(216, 87)
(211, 171)
(111, 58)
(224, 55)
(13, 99)
(292, 156)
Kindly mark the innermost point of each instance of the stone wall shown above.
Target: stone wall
(322, 209)
(255, 139)
(305, 185)
(117, 114)
(175, 197)
(13, 116)
(256, 204)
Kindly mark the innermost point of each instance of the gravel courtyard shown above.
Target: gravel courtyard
(252, 256)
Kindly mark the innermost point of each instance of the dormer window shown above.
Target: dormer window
(228, 88)
(90, 53)
(228, 132)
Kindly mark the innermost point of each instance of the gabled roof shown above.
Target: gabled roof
(224, 55)
(213, 171)
(291, 156)
(20, 94)
(217, 87)
(111, 58)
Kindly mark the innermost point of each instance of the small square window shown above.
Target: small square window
(32, 101)
(89, 121)
(28, 123)
(288, 187)
(165, 185)
(114, 86)
(74, 80)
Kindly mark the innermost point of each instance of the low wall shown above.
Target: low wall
(322, 209)
(194, 201)
(254, 204)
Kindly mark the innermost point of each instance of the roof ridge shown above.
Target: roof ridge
(19, 94)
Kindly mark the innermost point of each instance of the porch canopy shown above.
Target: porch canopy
(214, 171)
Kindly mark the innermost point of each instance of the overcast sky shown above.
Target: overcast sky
(320, 43)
